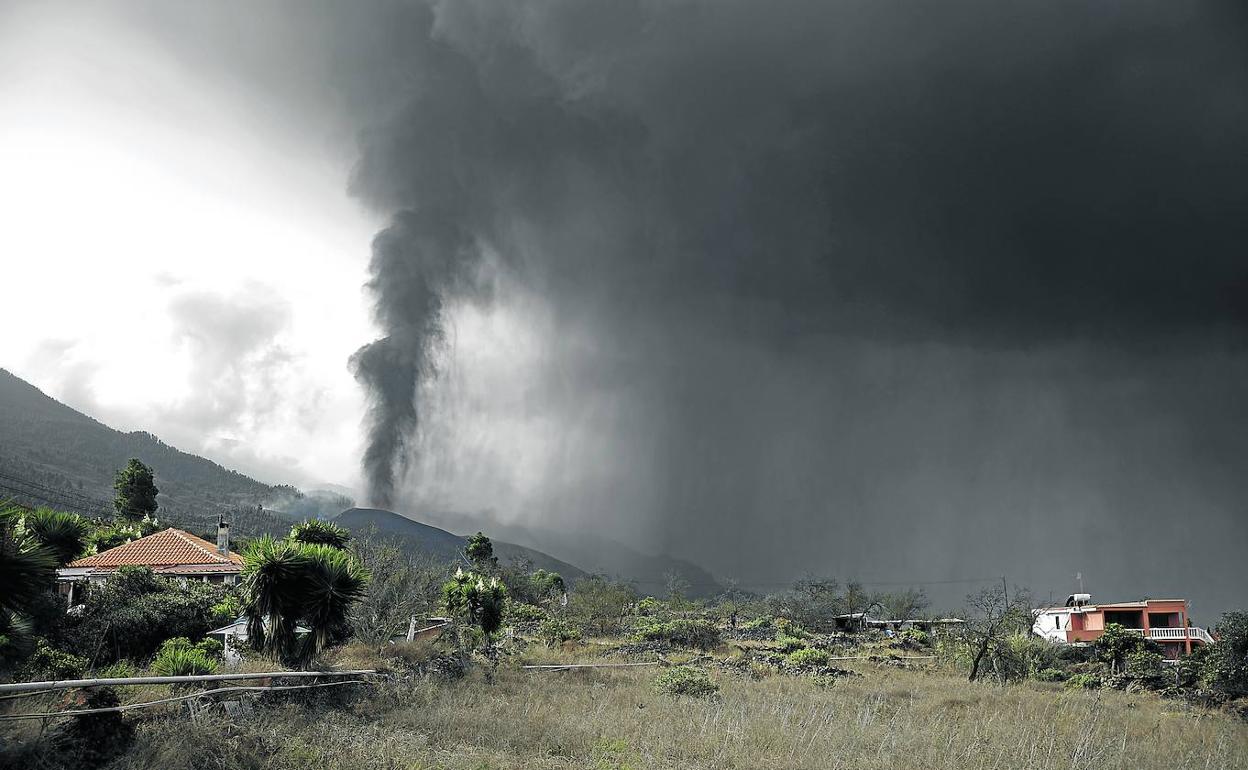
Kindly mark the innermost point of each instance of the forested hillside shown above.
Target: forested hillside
(52, 454)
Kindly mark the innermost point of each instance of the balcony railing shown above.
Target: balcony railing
(1180, 634)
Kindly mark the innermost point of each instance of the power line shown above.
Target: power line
(63, 494)
(54, 498)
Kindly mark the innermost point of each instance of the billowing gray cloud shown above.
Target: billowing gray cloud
(902, 290)
(868, 279)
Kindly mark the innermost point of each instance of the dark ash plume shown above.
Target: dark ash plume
(416, 261)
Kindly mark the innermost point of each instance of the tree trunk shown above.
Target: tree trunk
(979, 657)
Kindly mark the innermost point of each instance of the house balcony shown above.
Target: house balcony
(1179, 634)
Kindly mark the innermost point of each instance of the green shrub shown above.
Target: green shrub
(650, 606)
(915, 636)
(683, 632)
(519, 612)
(789, 628)
(1144, 666)
(1117, 643)
(47, 662)
(211, 648)
(136, 610)
(1051, 675)
(762, 621)
(1226, 662)
(789, 644)
(685, 681)
(1084, 681)
(226, 611)
(555, 631)
(823, 681)
(808, 658)
(178, 657)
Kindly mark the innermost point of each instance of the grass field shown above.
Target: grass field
(612, 719)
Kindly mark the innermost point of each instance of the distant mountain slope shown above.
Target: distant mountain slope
(52, 454)
(442, 544)
(597, 554)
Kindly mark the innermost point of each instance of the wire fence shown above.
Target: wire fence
(175, 699)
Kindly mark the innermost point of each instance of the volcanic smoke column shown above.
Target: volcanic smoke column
(416, 262)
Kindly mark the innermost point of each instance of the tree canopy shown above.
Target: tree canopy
(136, 491)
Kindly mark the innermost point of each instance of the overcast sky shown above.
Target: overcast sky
(901, 291)
(182, 261)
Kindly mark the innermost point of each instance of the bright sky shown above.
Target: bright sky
(170, 261)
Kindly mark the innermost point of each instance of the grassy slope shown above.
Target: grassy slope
(610, 719)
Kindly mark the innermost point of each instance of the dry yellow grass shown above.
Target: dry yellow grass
(610, 718)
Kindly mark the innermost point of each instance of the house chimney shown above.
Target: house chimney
(223, 536)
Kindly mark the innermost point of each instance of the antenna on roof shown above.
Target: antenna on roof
(1079, 577)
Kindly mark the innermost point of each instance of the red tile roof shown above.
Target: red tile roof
(169, 549)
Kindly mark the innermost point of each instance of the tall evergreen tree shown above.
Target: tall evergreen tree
(136, 491)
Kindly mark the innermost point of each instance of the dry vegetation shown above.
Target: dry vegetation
(612, 718)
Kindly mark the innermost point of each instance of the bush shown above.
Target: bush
(808, 658)
(1117, 643)
(683, 632)
(47, 662)
(411, 655)
(555, 631)
(225, 611)
(762, 621)
(135, 611)
(519, 612)
(790, 643)
(1084, 681)
(1226, 662)
(685, 681)
(599, 604)
(789, 628)
(211, 648)
(651, 606)
(1050, 675)
(178, 657)
(915, 636)
(1145, 667)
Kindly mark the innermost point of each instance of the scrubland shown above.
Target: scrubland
(888, 717)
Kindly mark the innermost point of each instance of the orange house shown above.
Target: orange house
(1164, 621)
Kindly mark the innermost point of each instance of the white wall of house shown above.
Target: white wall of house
(1052, 623)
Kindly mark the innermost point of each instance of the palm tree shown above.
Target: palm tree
(285, 583)
(27, 566)
(317, 532)
(335, 581)
(273, 589)
(64, 534)
(27, 570)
